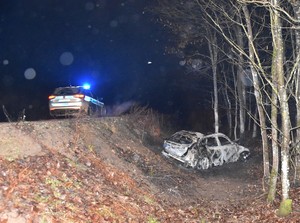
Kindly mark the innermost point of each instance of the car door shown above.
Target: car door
(228, 148)
(215, 151)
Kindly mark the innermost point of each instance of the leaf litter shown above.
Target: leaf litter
(107, 170)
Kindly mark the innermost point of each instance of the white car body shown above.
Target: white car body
(220, 149)
(71, 100)
(205, 151)
(179, 144)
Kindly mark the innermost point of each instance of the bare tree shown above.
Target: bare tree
(274, 137)
(183, 19)
(278, 55)
(213, 52)
(240, 76)
(256, 67)
(273, 80)
(296, 9)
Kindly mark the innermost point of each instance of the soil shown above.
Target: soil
(111, 170)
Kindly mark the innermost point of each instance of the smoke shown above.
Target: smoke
(119, 109)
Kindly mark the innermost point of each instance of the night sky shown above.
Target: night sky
(117, 46)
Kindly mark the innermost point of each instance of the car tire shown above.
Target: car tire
(102, 111)
(244, 156)
(89, 111)
(203, 163)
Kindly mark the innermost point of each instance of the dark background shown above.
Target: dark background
(117, 46)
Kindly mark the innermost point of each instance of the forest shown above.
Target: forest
(250, 49)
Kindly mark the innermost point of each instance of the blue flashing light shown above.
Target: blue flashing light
(86, 86)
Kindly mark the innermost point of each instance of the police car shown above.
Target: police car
(72, 100)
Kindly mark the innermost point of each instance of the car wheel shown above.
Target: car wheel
(203, 163)
(244, 156)
(103, 111)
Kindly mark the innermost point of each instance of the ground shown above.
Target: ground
(111, 170)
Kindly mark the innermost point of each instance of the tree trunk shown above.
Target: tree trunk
(229, 106)
(240, 86)
(254, 130)
(235, 108)
(258, 97)
(296, 7)
(213, 51)
(278, 52)
(275, 150)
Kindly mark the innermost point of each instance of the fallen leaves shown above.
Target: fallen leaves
(139, 187)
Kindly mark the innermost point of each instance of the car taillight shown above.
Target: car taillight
(79, 96)
(51, 97)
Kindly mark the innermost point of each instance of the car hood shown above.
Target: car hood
(175, 148)
(242, 148)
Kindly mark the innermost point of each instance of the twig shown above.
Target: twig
(6, 113)
(22, 115)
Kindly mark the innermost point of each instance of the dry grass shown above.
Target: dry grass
(147, 118)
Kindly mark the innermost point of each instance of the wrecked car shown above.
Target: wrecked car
(208, 151)
(180, 146)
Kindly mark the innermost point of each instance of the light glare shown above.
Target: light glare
(86, 86)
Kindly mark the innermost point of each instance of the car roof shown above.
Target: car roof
(69, 90)
(191, 134)
(216, 135)
(69, 87)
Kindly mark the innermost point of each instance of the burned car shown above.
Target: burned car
(72, 100)
(180, 146)
(210, 150)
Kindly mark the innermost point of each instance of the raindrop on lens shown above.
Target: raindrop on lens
(89, 6)
(29, 73)
(5, 62)
(66, 58)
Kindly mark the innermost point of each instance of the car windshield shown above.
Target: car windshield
(67, 91)
(224, 141)
(183, 139)
(211, 141)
